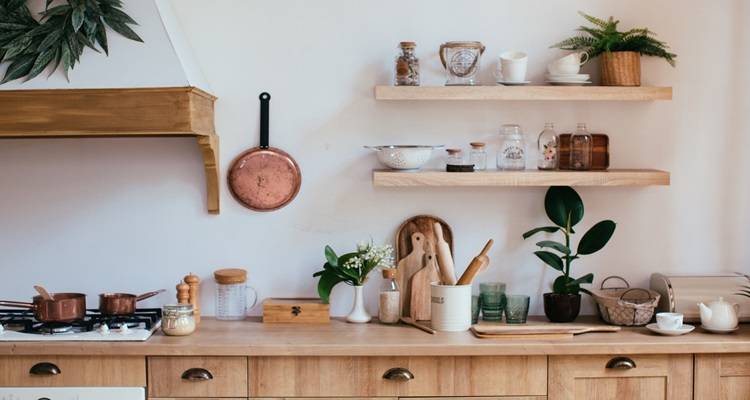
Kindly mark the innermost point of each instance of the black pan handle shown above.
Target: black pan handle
(265, 99)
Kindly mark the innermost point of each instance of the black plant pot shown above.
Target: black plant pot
(562, 307)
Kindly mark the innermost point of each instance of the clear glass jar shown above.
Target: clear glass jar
(178, 319)
(455, 157)
(407, 65)
(512, 153)
(478, 156)
(231, 294)
(548, 146)
(390, 298)
(581, 149)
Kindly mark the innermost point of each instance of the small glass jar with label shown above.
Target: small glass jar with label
(548, 146)
(407, 65)
(512, 153)
(581, 149)
(478, 156)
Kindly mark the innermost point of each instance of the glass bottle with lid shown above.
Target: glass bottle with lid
(512, 153)
(407, 65)
(390, 298)
(548, 145)
(455, 157)
(581, 149)
(478, 156)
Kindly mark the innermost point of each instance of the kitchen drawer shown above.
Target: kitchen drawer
(197, 377)
(82, 371)
(722, 376)
(639, 377)
(364, 376)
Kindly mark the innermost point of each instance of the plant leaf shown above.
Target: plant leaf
(554, 245)
(325, 285)
(101, 37)
(41, 63)
(122, 29)
(17, 46)
(561, 202)
(57, 10)
(51, 39)
(551, 259)
(561, 285)
(588, 278)
(19, 67)
(76, 18)
(331, 256)
(596, 237)
(549, 229)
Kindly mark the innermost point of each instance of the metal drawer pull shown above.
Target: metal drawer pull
(197, 375)
(621, 363)
(398, 374)
(45, 369)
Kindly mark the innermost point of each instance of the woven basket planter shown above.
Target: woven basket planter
(621, 68)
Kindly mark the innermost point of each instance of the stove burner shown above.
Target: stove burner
(24, 321)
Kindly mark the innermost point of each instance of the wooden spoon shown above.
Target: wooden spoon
(44, 293)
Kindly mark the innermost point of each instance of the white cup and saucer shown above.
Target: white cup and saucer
(565, 70)
(670, 324)
(511, 68)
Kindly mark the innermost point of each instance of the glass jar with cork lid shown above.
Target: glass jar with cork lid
(231, 294)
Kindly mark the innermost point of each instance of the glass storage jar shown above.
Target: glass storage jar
(407, 65)
(461, 62)
(390, 298)
(178, 319)
(581, 149)
(548, 146)
(231, 294)
(478, 156)
(512, 153)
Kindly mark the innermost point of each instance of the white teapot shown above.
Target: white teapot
(719, 315)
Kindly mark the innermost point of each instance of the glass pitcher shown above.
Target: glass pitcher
(461, 62)
(232, 294)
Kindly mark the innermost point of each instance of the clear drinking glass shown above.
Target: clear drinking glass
(512, 153)
(516, 308)
(475, 308)
(581, 149)
(493, 300)
(548, 146)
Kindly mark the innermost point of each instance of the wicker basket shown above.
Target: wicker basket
(625, 306)
(621, 68)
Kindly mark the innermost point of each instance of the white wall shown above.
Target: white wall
(112, 214)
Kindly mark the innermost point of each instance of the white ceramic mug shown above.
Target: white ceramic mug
(669, 321)
(568, 65)
(450, 307)
(512, 66)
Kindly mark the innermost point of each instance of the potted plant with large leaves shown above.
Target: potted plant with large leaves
(564, 208)
(352, 269)
(620, 51)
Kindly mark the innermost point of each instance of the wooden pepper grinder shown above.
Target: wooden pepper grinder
(193, 283)
(183, 293)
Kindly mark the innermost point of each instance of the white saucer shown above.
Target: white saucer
(569, 83)
(670, 332)
(712, 330)
(568, 78)
(508, 83)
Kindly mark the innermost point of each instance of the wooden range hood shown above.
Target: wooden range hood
(132, 112)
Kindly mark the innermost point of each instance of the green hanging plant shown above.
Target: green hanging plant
(59, 36)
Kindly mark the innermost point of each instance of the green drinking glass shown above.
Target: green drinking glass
(492, 296)
(516, 309)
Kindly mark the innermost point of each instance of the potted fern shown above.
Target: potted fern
(564, 208)
(620, 51)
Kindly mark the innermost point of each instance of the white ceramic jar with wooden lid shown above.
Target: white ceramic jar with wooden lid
(231, 294)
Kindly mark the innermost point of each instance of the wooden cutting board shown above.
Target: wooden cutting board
(407, 267)
(538, 331)
(420, 308)
(423, 224)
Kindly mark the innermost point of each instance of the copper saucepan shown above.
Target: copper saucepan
(122, 303)
(65, 307)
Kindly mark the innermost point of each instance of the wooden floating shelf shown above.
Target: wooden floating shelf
(136, 112)
(530, 93)
(613, 177)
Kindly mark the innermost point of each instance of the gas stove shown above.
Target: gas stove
(20, 325)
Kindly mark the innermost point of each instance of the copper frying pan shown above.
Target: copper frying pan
(264, 178)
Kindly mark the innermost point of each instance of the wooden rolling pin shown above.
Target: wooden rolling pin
(477, 264)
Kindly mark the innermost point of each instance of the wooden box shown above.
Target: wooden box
(295, 311)
(600, 161)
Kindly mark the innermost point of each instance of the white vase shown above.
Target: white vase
(359, 314)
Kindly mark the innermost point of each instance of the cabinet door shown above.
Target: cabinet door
(61, 371)
(193, 377)
(635, 377)
(722, 376)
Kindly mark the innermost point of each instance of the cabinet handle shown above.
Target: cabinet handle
(621, 363)
(398, 374)
(45, 369)
(197, 375)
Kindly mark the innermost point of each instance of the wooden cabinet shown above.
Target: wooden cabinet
(416, 377)
(722, 376)
(635, 377)
(197, 377)
(83, 371)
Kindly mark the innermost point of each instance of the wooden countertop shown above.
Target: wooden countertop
(252, 338)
